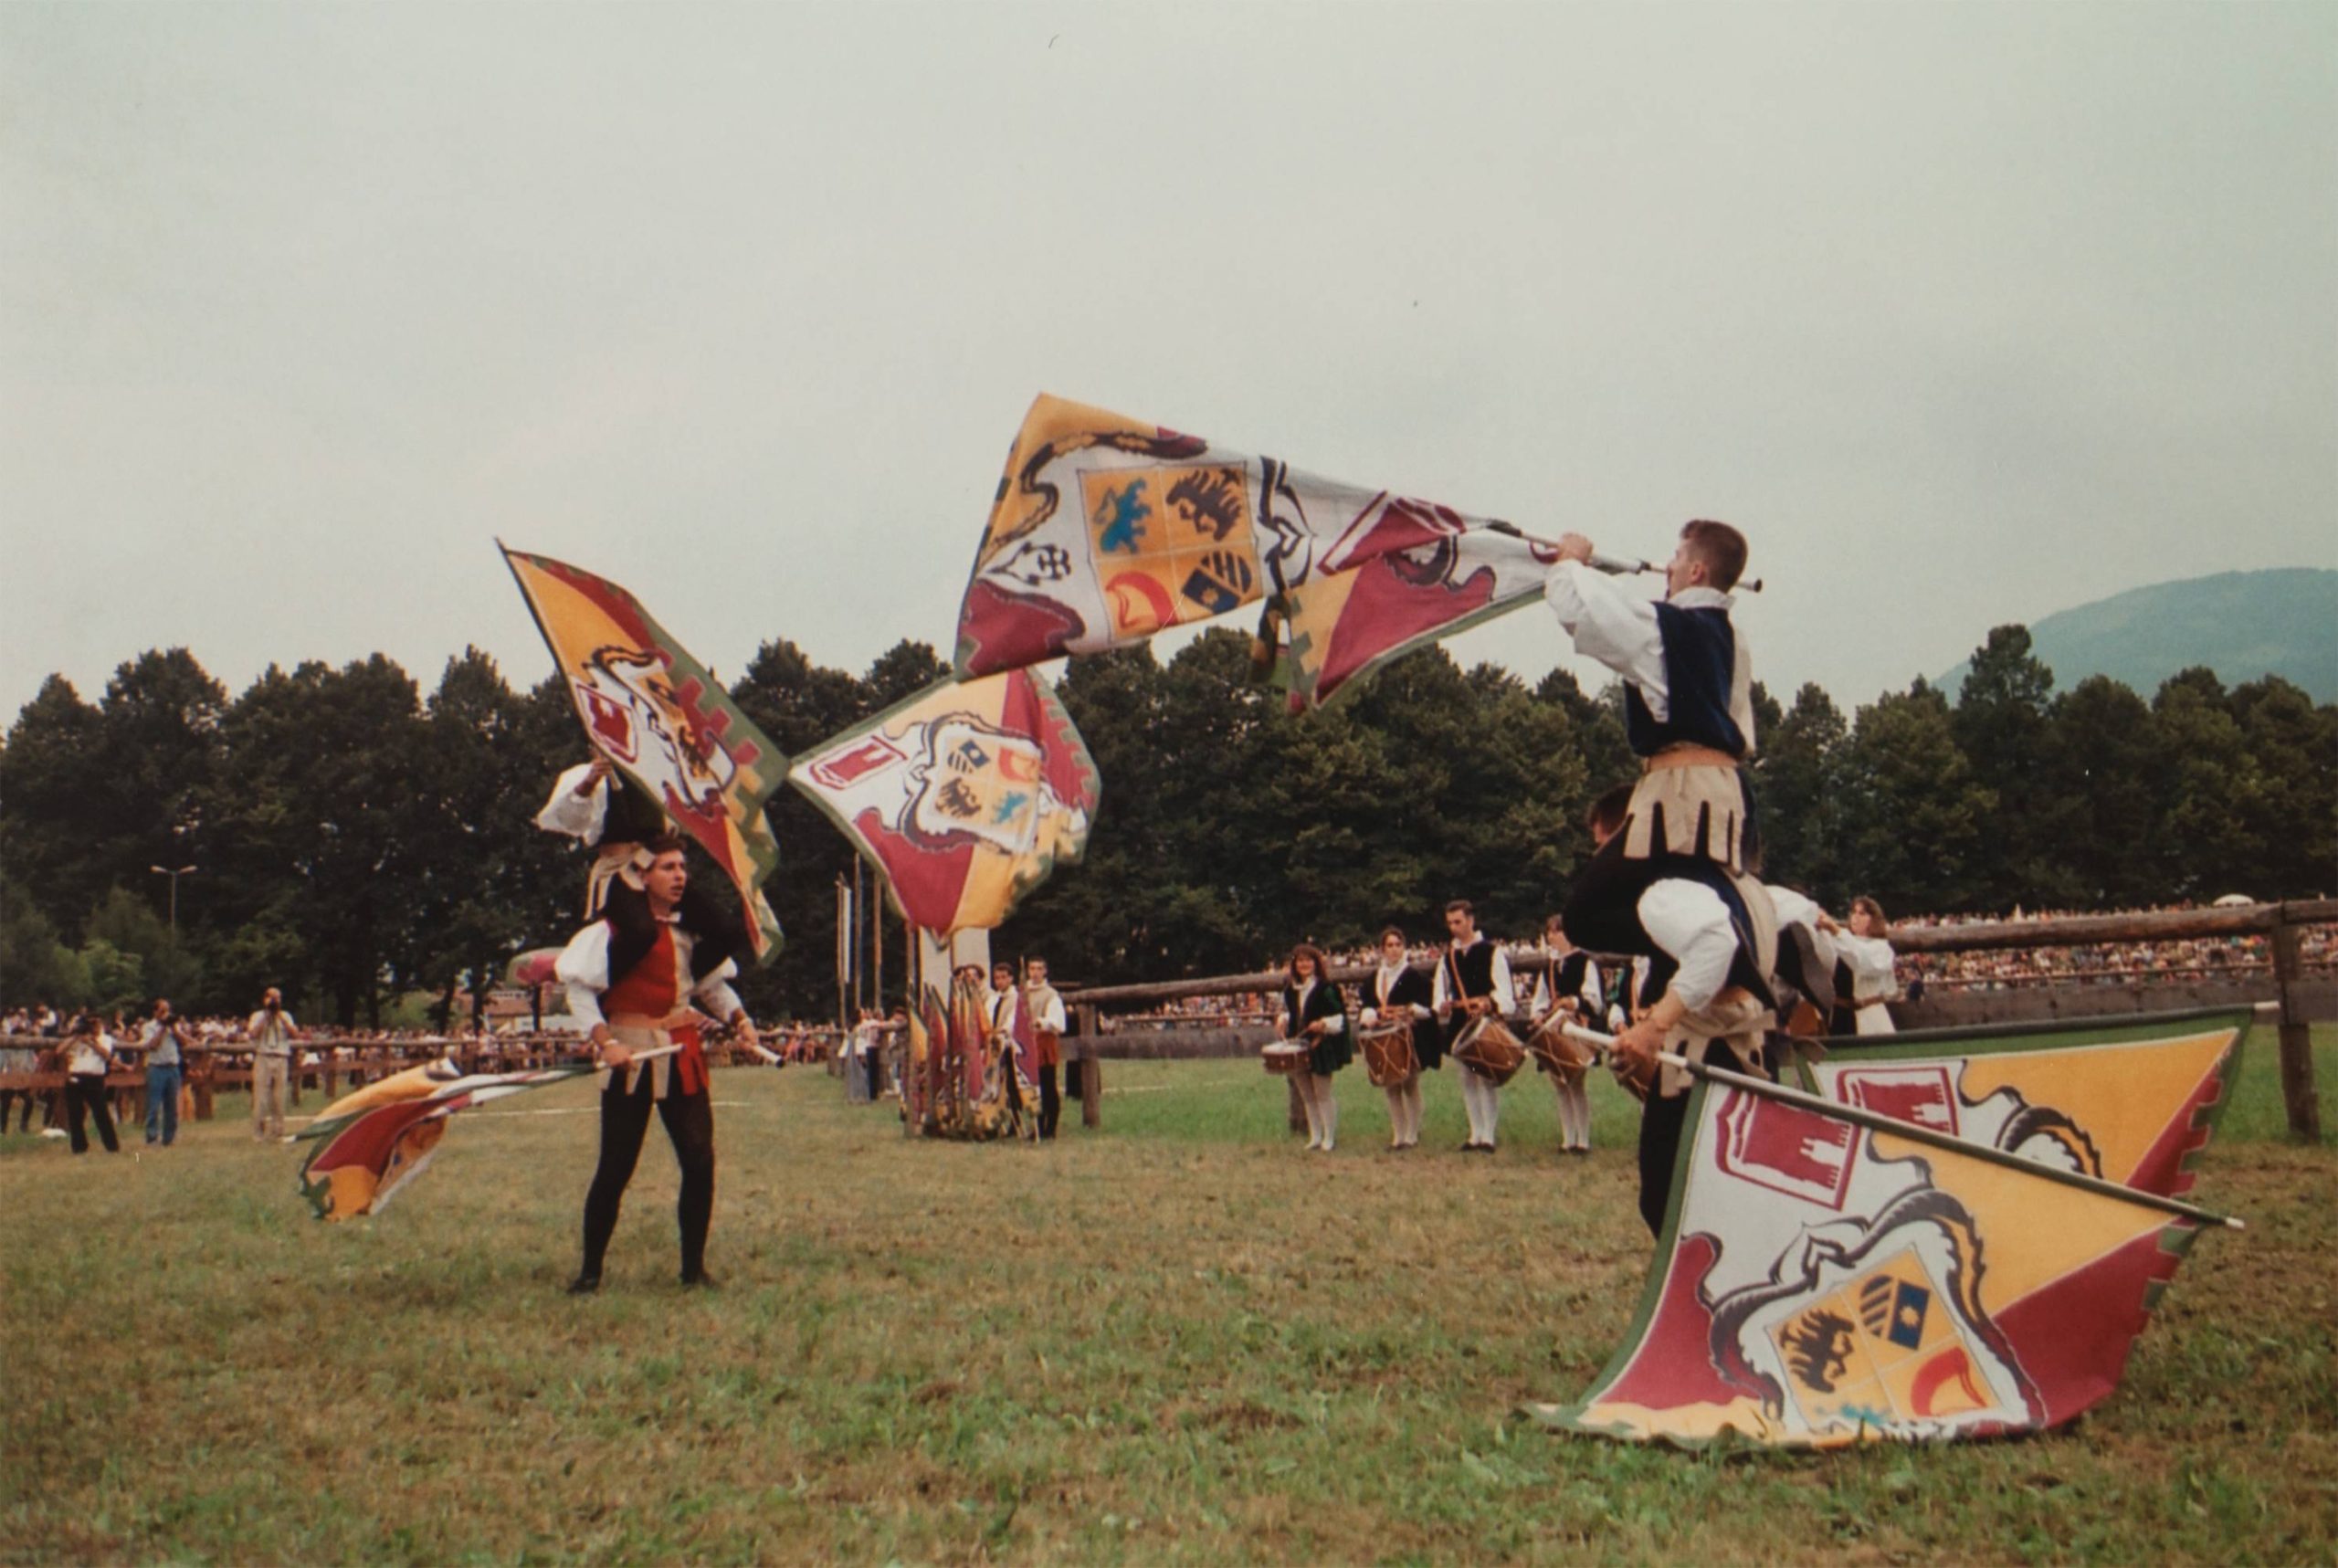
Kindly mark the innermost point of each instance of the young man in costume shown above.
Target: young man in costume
(615, 820)
(1048, 1028)
(1710, 939)
(633, 985)
(1688, 710)
(1472, 980)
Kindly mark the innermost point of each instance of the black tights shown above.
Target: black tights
(1050, 1102)
(625, 1122)
(1661, 1123)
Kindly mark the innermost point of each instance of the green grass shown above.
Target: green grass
(1178, 1339)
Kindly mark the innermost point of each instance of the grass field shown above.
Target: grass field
(1176, 1339)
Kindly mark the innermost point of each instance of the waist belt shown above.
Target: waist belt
(1688, 757)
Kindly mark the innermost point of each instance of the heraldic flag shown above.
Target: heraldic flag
(966, 796)
(655, 713)
(1106, 529)
(1820, 1284)
(371, 1143)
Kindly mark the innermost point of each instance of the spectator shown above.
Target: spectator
(89, 1053)
(166, 1045)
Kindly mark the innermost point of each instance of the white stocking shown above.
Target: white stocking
(1575, 1102)
(1305, 1084)
(1327, 1108)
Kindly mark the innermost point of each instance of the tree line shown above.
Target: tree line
(357, 840)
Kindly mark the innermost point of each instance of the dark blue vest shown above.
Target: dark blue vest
(1699, 666)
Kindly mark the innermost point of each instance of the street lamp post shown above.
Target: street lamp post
(174, 874)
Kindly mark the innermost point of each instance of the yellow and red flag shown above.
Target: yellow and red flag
(657, 714)
(966, 796)
(1822, 1282)
(371, 1141)
(1106, 529)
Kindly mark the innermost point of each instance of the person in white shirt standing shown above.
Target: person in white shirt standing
(1472, 982)
(1574, 979)
(89, 1053)
(1399, 993)
(271, 1032)
(166, 1046)
(1863, 955)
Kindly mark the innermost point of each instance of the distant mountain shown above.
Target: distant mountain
(2242, 624)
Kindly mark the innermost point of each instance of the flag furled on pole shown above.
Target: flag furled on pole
(372, 1141)
(663, 721)
(1106, 529)
(1821, 1283)
(964, 795)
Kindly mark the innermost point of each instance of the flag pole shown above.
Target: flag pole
(1614, 566)
(1859, 1117)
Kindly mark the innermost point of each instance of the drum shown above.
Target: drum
(1388, 1053)
(1284, 1057)
(1487, 1048)
(1556, 1050)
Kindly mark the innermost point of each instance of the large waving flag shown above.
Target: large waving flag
(655, 713)
(966, 796)
(372, 1141)
(1106, 529)
(1821, 1282)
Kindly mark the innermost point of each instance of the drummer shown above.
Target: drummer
(1573, 976)
(1472, 982)
(1314, 1013)
(1399, 993)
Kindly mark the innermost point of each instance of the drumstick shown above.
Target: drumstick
(1858, 1117)
(1614, 566)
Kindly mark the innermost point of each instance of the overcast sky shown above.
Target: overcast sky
(1966, 313)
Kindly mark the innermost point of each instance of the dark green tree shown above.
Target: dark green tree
(1799, 799)
(1913, 815)
(2001, 723)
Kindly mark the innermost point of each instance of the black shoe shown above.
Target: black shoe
(1485, 1148)
(584, 1284)
(1469, 1148)
(702, 1280)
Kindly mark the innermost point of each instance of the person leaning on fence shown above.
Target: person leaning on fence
(271, 1032)
(89, 1053)
(165, 1044)
(1315, 1014)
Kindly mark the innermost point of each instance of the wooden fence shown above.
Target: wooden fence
(2285, 988)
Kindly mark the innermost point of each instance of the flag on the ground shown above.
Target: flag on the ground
(371, 1141)
(1106, 529)
(2131, 1101)
(1818, 1285)
(657, 714)
(966, 796)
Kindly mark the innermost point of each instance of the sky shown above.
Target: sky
(1966, 313)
